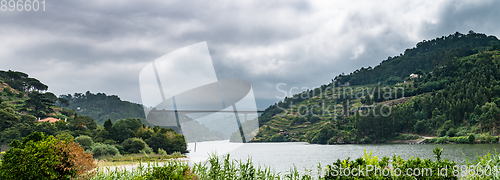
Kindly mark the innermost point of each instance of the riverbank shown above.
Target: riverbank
(224, 167)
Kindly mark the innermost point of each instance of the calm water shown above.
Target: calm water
(282, 156)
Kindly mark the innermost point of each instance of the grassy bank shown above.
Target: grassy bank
(127, 159)
(389, 168)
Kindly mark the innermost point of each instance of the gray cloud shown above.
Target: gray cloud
(101, 46)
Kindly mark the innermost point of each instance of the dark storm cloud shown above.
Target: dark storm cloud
(101, 46)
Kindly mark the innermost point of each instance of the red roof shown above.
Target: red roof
(50, 120)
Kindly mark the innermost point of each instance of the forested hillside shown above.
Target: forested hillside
(102, 107)
(425, 56)
(456, 92)
(25, 100)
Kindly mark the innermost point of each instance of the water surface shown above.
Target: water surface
(282, 156)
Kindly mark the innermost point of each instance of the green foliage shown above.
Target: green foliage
(407, 137)
(16, 124)
(65, 136)
(84, 141)
(104, 150)
(44, 157)
(39, 104)
(455, 94)
(471, 138)
(102, 107)
(162, 152)
(8, 118)
(134, 145)
(451, 132)
(167, 140)
(108, 125)
(460, 140)
(424, 57)
(21, 81)
(387, 168)
(125, 128)
(173, 170)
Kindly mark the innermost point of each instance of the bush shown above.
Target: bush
(441, 132)
(162, 152)
(109, 141)
(314, 119)
(493, 139)
(484, 138)
(167, 140)
(65, 136)
(407, 137)
(333, 170)
(134, 145)
(472, 138)
(460, 140)
(85, 141)
(54, 159)
(104, 150)
(451, 132)
(172, 170)
(440, 140)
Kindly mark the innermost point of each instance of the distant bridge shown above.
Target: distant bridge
(234, 111)
(245, 112)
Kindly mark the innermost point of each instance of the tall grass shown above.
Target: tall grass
(484, 167)
(213, 168)
(231, 169)
(225, 168)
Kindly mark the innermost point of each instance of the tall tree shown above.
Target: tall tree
(39, 104)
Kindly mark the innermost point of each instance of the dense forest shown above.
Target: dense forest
(24, 101)
(455, 93)
(425, 56)
(102, 107)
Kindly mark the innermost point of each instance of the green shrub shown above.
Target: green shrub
(432, 140)
(44, 157)
(407, 137)
(134, 145)
(109, 141)
(173, 170)
(440, 140)
(85, 141)
(459, 140)
(451, 132)
(471, 138)
(176, 154)
(493, 139)
(104, 150)
(484, 138)
(441, 132)
(333, 170)
(65, 136)
(162, 152)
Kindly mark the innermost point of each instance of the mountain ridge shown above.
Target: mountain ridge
(435, 61)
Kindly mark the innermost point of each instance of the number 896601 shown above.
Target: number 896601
(20, 5)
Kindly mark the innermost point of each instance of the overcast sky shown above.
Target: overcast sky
(101, 46)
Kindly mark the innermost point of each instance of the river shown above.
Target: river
(282, 156)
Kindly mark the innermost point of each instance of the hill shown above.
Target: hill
(24, 101)
(454, 92)
(102, 107)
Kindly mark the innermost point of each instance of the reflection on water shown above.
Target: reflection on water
(283, 156)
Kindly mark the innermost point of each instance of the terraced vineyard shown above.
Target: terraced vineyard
(309, 116)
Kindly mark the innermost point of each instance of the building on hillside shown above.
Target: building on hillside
(51, 120)
(413, 76)
(345, 84)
